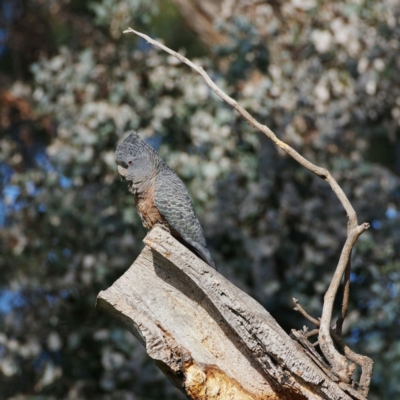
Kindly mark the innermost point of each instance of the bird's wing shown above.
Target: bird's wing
(173, 203)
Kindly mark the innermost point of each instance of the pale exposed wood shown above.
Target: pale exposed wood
(210, 338)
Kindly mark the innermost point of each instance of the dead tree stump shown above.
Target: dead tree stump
(211, 339)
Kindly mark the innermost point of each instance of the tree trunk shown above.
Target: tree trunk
(211, 339)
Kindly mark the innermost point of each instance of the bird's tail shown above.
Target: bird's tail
(205, 255)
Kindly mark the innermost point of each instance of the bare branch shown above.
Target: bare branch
(345, 303)
(321, 172)
(337, 361)
(302, 311)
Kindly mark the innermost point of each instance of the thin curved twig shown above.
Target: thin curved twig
(336, 360)
(304, 313)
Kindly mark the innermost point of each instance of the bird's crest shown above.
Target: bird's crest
(132, 138)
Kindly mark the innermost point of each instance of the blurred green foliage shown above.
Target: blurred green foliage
(323, 75)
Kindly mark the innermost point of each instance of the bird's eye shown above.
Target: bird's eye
(130, 162)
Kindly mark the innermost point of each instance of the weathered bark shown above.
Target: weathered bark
(211, 339)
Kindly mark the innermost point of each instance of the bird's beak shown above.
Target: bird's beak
(122, 171)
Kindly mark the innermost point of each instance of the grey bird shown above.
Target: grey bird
(160, 195)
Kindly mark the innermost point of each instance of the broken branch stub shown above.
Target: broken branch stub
(211, 339)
